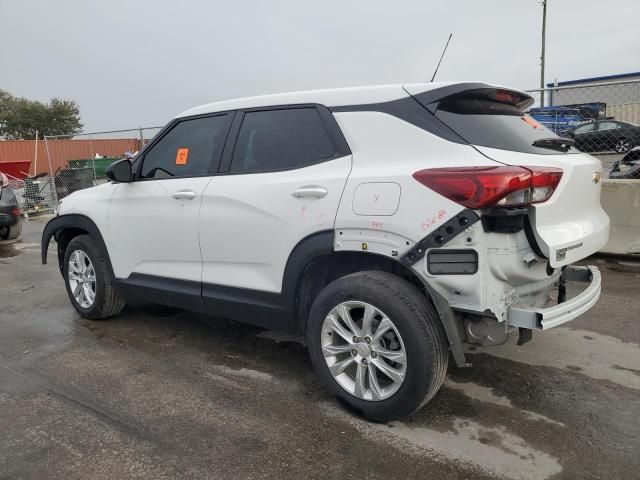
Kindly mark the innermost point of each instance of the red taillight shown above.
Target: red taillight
(507, 97)
(482, 187)
(15, 212)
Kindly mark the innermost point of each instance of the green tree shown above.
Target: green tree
(21, 117)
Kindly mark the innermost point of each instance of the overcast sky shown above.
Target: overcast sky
(132, 63)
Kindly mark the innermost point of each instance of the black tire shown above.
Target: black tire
(14, 230)
(415, 320)
(107, 301)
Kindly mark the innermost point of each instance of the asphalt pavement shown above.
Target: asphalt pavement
(160, 393)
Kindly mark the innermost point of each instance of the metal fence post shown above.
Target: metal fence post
(46, 146)
(35, 156)
(93, 159)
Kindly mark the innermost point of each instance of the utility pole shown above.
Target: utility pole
(544, 31)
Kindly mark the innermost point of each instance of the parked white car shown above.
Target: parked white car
(387, 224)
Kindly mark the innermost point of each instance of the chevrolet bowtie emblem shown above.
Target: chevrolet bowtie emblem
(596, 177)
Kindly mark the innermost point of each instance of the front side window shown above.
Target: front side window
(272, 140)
(188, 149)
(589, 127)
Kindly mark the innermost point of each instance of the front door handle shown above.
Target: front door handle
(313, 191)
(184, 195)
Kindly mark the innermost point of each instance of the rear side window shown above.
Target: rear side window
(607, 126)
(485, 121)
(188, 149)
(272, 140)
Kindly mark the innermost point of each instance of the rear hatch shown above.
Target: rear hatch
(569, 225)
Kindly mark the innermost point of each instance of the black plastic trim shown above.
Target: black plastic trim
(452, 326)
(264, 309)
(441, 235)
(409, 110)
(185, 294)
(531, 238)
(340, 144)
(451, 251)
(58, 224)
(504, 220)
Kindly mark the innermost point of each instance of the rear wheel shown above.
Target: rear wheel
(377, 344)
(12, 231)
(88, 281)
(622, 145)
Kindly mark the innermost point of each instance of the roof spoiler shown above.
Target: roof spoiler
(430, 98)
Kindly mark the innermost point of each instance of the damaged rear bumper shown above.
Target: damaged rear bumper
(546, 318)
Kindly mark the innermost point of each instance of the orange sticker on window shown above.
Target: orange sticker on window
(181, 156)
(531, 122)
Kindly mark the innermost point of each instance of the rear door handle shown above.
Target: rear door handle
(313, 191)
(184, 195)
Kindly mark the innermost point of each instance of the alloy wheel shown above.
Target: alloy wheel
(82, 279)
(622, 146)
(363, 350)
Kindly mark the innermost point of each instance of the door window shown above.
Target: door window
(589, 127)
(272, 140)
(188, 149)
(607, 126)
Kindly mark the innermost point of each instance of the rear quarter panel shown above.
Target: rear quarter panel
(389, 150)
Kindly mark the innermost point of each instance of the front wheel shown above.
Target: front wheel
(377, 344)
(88, 281)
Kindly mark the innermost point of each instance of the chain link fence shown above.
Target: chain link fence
(76, 162)
(602, 119)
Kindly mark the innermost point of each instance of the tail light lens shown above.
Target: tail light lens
(482, 187)
(15, 212)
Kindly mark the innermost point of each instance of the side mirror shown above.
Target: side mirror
(120, 171)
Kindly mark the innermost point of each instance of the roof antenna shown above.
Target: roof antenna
(442, 56)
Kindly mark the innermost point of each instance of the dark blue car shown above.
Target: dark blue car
(562, 118)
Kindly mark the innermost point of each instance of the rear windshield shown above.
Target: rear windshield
(490, 123)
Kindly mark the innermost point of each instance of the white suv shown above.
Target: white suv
(387, 224)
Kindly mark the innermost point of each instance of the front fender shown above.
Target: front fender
(78, 223)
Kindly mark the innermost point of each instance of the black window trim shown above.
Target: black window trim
(214, 163)
(339, 143)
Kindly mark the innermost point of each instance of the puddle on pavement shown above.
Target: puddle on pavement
(565, 347)
(487, 395)
(7, 250)
(494, 450)
(13, 248)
